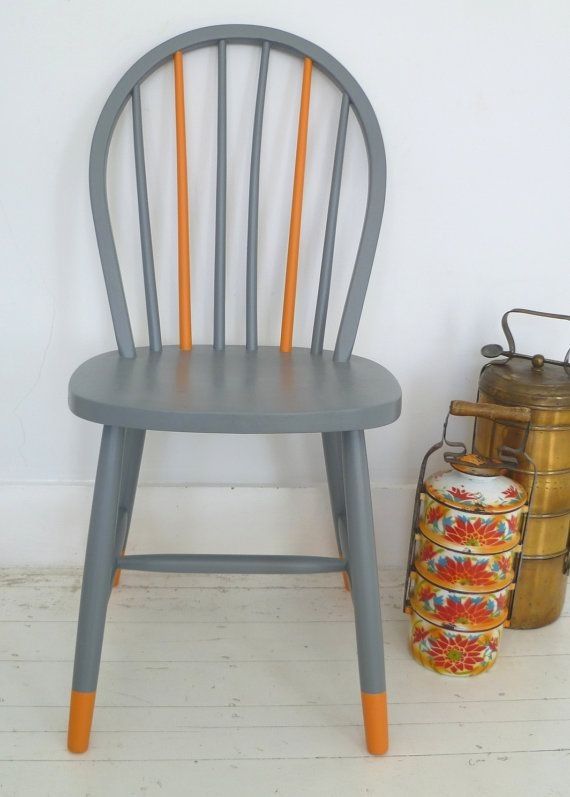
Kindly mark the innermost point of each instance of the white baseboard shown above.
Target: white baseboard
(45, 525)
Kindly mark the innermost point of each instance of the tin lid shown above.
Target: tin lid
(477, 465)
(478, 494)
(527, 383)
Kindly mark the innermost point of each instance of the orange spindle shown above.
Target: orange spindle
(296, 209)
(183, 226)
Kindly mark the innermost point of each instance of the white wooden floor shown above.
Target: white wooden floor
(248, 686)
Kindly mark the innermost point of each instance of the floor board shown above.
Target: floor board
(248, 685)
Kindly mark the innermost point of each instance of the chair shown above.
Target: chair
(243, 389)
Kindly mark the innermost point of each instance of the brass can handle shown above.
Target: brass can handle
(493, 350)
(493, 412)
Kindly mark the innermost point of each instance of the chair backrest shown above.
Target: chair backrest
(352, 97)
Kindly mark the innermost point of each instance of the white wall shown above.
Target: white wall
(472, 99)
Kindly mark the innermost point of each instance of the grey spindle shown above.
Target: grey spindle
(330, 232)
(221, 179)
(152, 313)
(253, 212)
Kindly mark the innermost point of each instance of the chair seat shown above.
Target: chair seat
(234, 391)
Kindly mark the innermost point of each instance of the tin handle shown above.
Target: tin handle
(493, 412)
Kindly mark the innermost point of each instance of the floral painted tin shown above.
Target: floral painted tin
(487, 493)
(462, 571)
(469, 532)
(450, 651)
(462, 611)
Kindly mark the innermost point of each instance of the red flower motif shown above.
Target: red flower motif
(504, 564)
(502, 602)
(460, 494)
(511, 492)
(513, 523)
(426, 594)
(456, 653)
(476, 532)
(468, 612)
(427, 552)
(435, 514)
(463, 571)
(419, 634)
(493, 643)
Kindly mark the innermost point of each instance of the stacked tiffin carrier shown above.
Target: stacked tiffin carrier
(464, 555)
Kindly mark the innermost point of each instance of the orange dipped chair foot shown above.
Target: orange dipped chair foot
(80, 719)
(346, 581)
(375, 711)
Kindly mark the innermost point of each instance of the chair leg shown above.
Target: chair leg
(332, 448)
(97, 579)
(365, 591)
(133, 450)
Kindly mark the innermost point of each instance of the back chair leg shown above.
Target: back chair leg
(332, 448)
(133, 450)
(365, 591)
(97, 579)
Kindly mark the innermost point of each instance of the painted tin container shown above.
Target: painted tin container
(468, 526)
(453, 528)
(451, 652)
(543, 386)
(461, 610)
(456, 570)
(475, 485)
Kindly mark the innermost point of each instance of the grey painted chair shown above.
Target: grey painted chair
(243, 389)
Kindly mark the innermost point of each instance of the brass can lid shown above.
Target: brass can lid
(528, 383)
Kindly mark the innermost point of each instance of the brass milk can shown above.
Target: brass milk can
(542, 385)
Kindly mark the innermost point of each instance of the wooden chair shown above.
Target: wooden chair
(243, 389)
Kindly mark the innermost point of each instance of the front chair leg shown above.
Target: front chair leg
(97, 578)
(365, 591)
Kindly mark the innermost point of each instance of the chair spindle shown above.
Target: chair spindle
(253, 210)
(296, 212)
(221, 181)
(330, 232)
(151, 298)
(183, 227)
